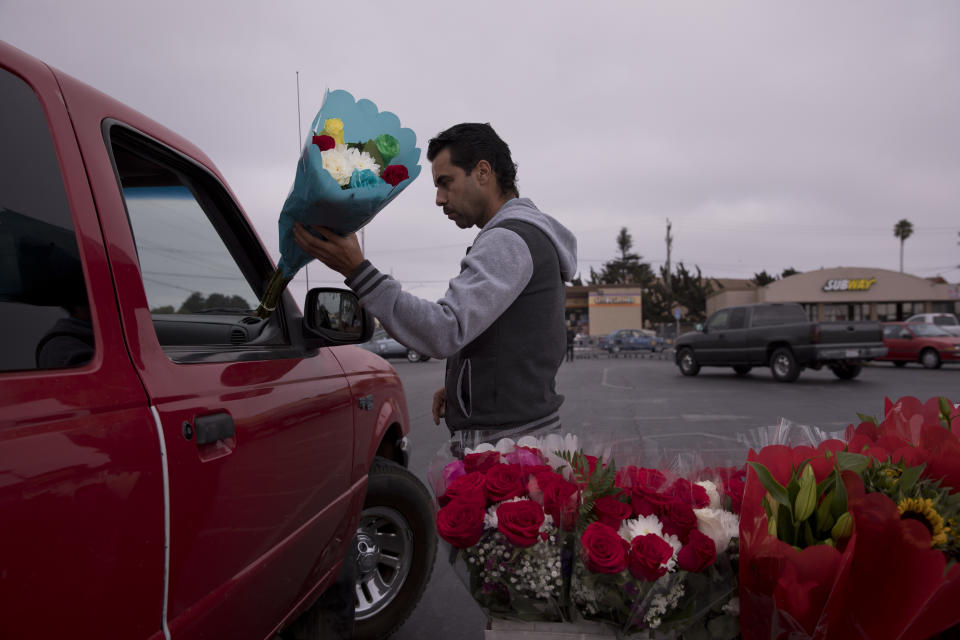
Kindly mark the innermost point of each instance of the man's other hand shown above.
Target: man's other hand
(439, 406)
(340, 253)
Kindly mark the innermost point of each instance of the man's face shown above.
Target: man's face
(461, 197)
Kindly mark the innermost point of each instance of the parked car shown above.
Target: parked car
(928, 344)
(170, 464)
(386, 347)
(946, 321)
(628, 340)
(778, 336)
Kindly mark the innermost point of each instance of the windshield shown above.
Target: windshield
(945, 321)
(928, 331)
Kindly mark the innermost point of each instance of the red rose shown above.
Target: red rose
(611, 511)
(604, 551)
(560, 500)
(324, 142)
(692, 494)
(630, 477)
(735, 488)
(460, 524)
(520, 521)
(646, 501)
(481, 461)
(648, 556)
(504, 481)
(678, 519)
(698, 554)
(395, 174)
(525, 456)
(471, 488)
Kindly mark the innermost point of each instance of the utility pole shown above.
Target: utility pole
(666, 279)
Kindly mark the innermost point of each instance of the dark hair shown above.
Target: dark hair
(471, 142)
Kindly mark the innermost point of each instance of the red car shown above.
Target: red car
(927, 344)
(170, 464)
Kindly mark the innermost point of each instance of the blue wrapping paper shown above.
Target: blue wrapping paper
(317, 199)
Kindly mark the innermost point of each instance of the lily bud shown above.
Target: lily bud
(806, 500)
(843, 527)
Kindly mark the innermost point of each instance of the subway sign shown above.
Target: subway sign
(851, 284)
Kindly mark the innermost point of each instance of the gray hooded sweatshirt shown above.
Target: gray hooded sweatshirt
(500, 324)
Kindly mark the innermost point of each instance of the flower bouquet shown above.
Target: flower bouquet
(855, 537)
(656, 554)
(354, 162)
(506, 514)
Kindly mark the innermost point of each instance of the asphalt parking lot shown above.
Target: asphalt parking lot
(628, 399)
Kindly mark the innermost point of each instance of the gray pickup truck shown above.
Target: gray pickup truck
(781, 337)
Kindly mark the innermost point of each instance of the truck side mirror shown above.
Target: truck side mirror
(334, 317)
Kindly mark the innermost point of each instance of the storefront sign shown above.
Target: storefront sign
(858, 284)
(625, 300)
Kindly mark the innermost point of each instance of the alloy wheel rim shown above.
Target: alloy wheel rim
(384, 545)
(782, 365)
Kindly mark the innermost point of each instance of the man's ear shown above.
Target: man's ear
(484, 173)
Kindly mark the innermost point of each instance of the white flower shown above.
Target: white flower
(712, 493)
(674, 542)
(481, 448)
(641, 526)
(732, 607)
(719, 525)
(529, 441)
(505, 446)
(554, 442)
(337, 163)
(362, 160)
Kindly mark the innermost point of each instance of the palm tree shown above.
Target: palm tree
(902, 230)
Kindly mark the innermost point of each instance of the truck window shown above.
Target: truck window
(45, 320)
(768, 316)
(719, 321)
(197, 291)
(738, 318)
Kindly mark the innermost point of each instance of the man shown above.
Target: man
(501, 322)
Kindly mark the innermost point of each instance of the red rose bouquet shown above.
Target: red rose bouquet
(506, 515)
(657, 551)
(855, 538)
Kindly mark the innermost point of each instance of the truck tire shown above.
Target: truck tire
(783, 365)
(846, 371)
(413, 356)
(687, 362)
(391, 577)
(930, 359)
(397, 510)
(742, 369)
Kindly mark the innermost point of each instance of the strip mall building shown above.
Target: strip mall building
(847, 293)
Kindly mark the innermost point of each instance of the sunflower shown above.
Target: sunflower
(922, 510)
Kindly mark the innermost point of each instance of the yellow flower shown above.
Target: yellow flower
(333, 127)
(922, 510)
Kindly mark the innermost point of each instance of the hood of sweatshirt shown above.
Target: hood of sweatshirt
(562, 238)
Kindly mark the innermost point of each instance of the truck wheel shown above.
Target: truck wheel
(413, 356)
(784, 366)
(615, 350)
(688, 363)
(930, 359)
(396, 544)
(846, 371)
(742, 369)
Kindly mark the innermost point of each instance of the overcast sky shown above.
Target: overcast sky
(771, 134)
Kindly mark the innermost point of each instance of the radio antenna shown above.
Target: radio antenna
(306, 267)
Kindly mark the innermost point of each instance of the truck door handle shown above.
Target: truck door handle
(217, 426)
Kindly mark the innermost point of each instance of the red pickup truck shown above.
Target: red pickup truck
(172, 466)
